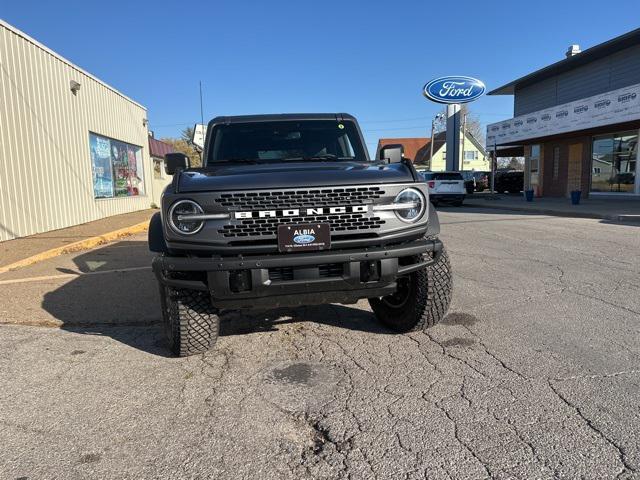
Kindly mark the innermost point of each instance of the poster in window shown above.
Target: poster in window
(101, 166)
(117, 168)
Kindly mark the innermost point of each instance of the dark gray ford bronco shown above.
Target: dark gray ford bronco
(289, 210)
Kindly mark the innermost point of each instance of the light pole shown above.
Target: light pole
(437, 118)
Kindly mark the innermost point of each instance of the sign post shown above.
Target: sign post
(453, 91)
(453, 137)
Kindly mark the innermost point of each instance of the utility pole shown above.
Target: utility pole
(201, 109)
(494, 166)
(464, 136)
(201, 122)
(437, 118)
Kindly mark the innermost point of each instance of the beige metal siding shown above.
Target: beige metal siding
(45, 164)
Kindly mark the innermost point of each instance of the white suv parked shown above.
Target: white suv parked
(445, 187)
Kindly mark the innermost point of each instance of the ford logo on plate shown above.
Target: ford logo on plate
(303, 239)
(454, 89)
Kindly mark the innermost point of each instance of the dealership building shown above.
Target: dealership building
(72, 148)
(577, 121)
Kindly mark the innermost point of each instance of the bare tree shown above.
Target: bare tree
(474, 126)
(511, 163)
(187, 134)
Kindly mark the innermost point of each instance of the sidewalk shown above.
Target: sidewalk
(616, 210)
(13, 251)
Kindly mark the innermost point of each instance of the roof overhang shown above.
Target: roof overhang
(589, 55)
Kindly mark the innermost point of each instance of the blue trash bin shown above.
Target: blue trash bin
(575, 197)
(528, 194)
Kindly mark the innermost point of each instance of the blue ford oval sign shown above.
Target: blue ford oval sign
(454, 89)
(303, 239)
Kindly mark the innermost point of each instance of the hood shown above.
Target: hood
(292, 174)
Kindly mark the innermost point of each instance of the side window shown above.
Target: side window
(534, 158)
(158, 171)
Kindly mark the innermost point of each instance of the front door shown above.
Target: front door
(574, 173)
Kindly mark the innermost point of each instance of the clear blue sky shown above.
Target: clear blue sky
(368, 58)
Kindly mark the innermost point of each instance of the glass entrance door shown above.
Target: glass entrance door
(614, 163)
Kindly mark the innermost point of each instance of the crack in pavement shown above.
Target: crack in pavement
(620, 450)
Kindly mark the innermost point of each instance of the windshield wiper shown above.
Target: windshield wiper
(316, 158)
(235, 160)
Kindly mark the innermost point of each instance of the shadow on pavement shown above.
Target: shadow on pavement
(115, 294)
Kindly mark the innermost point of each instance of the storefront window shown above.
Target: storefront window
(117, 168)
(613, 163)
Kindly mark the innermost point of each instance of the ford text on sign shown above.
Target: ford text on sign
(454, 89)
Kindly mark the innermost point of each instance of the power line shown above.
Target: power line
(387, 129)
(487, 114)
(172, 125)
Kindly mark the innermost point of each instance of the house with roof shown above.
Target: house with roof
(418, 150)
(157, 151)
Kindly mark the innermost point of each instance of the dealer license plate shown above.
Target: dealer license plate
(304, 237)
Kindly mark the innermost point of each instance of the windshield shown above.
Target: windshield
(263, 142)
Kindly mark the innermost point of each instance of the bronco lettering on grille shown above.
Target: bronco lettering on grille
(295, 212)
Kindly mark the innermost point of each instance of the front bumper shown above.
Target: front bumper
(342, 276)
(447, 197)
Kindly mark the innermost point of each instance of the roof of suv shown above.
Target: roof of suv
(282, 117)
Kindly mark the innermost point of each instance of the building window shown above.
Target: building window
(613, 162)
(534, 159)
(470, 155)
(444, 155)
(158, 169)
(556, 162)
(117, 167)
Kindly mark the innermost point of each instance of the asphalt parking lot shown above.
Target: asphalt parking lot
(535, 373)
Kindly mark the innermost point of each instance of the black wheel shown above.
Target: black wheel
(421, 300)
(190, 321)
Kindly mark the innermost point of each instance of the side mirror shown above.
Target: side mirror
(392, 153)
(174, 162)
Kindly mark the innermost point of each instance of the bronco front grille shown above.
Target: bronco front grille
(318, 197)
(255, 227)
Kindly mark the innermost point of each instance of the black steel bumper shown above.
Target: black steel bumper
(343, 276)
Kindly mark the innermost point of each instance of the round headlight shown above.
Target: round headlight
(415, 198)
(182, 209)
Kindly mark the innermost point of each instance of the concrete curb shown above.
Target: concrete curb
(85, 244)
(553, 213)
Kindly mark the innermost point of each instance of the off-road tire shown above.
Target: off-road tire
(190, 320)
(427, 302)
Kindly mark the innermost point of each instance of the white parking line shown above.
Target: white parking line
(69, 275)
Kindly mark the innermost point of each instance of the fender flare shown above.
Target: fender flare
(157, 242)
(433, 225)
